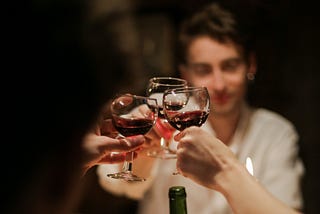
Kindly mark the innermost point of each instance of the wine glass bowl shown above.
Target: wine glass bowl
(185, 107)
(158, 85)
(132, 115)
(155, 89)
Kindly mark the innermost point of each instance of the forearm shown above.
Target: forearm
(246, 195)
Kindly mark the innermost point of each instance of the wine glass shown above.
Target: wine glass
(132, 115)
(185, 107)
(155, 89)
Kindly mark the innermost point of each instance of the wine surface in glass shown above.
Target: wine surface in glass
(183, 120)
(130, 127)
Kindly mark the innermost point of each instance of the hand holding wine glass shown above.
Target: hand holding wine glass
(132, 115)
(185, 107)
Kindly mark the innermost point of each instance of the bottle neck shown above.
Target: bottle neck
(178, 205)
(177, 200)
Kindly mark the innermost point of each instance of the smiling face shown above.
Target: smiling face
(221, 68)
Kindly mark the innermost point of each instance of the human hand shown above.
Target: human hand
(100, 145)
(202, 157)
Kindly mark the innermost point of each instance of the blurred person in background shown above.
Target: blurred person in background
(62, 65)
(217, 51)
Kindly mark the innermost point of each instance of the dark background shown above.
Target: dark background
(286, 81)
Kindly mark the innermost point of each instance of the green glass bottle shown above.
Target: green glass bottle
(178, 200)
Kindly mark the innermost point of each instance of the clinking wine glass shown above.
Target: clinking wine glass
(185, 107)
(155, 89)
(132, 115)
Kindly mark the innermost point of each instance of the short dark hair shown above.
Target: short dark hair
(219, 23)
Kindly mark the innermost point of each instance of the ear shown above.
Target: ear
(252, 69)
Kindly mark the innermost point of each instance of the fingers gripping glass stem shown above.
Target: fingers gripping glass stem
(126, 172)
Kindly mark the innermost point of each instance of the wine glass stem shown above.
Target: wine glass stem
(164, 143)
(127, 165)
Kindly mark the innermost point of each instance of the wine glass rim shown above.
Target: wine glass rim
(135, 96)
(182, 81)
(188, 88)
(145, 100)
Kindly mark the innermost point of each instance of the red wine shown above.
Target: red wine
(184, 120)
(165, 130)
(130, 127)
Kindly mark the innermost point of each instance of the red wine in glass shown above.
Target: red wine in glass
(185, 107)
(129, 127)
(183, 120)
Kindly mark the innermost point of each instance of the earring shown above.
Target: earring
(250, 76)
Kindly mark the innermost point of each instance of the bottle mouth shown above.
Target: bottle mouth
(175, 191)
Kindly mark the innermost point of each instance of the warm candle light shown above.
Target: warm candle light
(249, 165)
